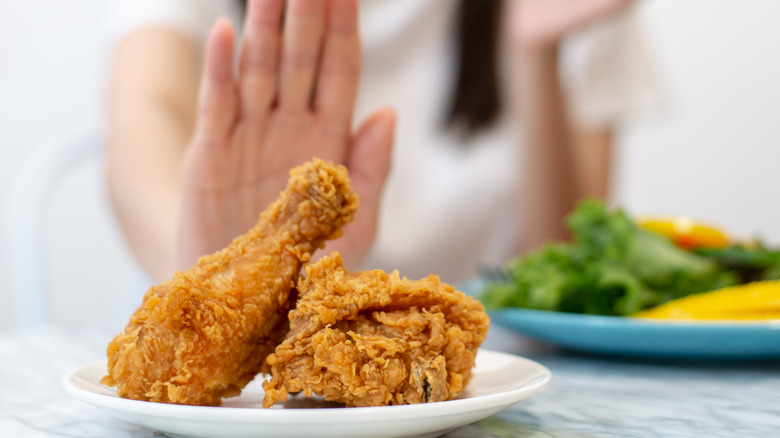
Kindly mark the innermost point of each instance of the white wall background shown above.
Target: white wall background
(714, 155)
(52, 61)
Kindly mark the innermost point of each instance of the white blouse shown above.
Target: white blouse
(448, 208)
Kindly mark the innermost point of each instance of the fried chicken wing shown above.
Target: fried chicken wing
(206, 333)
(372, 338)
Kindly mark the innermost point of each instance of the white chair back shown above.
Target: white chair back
(30, 191)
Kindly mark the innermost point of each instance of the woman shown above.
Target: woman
(485, 163)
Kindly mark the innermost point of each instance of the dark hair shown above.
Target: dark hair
(475, 98)
(476, 102)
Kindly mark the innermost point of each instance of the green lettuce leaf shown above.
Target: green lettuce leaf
(613, 267)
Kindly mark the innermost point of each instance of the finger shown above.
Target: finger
(341, 62)
(369, 165)
(369, 161)
(369, 155)
(217, 102)
(303, 32)
(260, 56)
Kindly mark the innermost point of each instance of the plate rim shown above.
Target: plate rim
(216, 414)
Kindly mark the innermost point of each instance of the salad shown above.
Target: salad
(617, 267)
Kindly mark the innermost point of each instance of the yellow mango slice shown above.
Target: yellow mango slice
(752, 301)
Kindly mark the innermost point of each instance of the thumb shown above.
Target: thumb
(368, 160)
(369, 156)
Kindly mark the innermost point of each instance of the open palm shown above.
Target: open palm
(292, 100)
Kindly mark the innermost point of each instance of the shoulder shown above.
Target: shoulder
(192, 17)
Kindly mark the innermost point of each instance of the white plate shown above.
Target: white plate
(499, 380)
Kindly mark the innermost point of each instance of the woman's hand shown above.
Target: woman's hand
(552, 177)
(536, 24)
(292, 100)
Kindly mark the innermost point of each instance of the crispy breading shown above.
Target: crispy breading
(373, 339)
(206, 333)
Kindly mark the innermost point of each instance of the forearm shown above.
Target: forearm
(593, 161)
(144, 185)
(549, 181)
(151, 118)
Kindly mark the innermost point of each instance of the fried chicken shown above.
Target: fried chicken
(373, 339)
(206, 333)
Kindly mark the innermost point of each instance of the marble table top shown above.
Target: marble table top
(589, 396)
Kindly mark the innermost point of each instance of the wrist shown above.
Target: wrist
(538, 55)
(536, 68)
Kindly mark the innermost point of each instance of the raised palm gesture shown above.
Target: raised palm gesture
(292, 99)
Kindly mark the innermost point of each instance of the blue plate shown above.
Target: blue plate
(645, 338)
